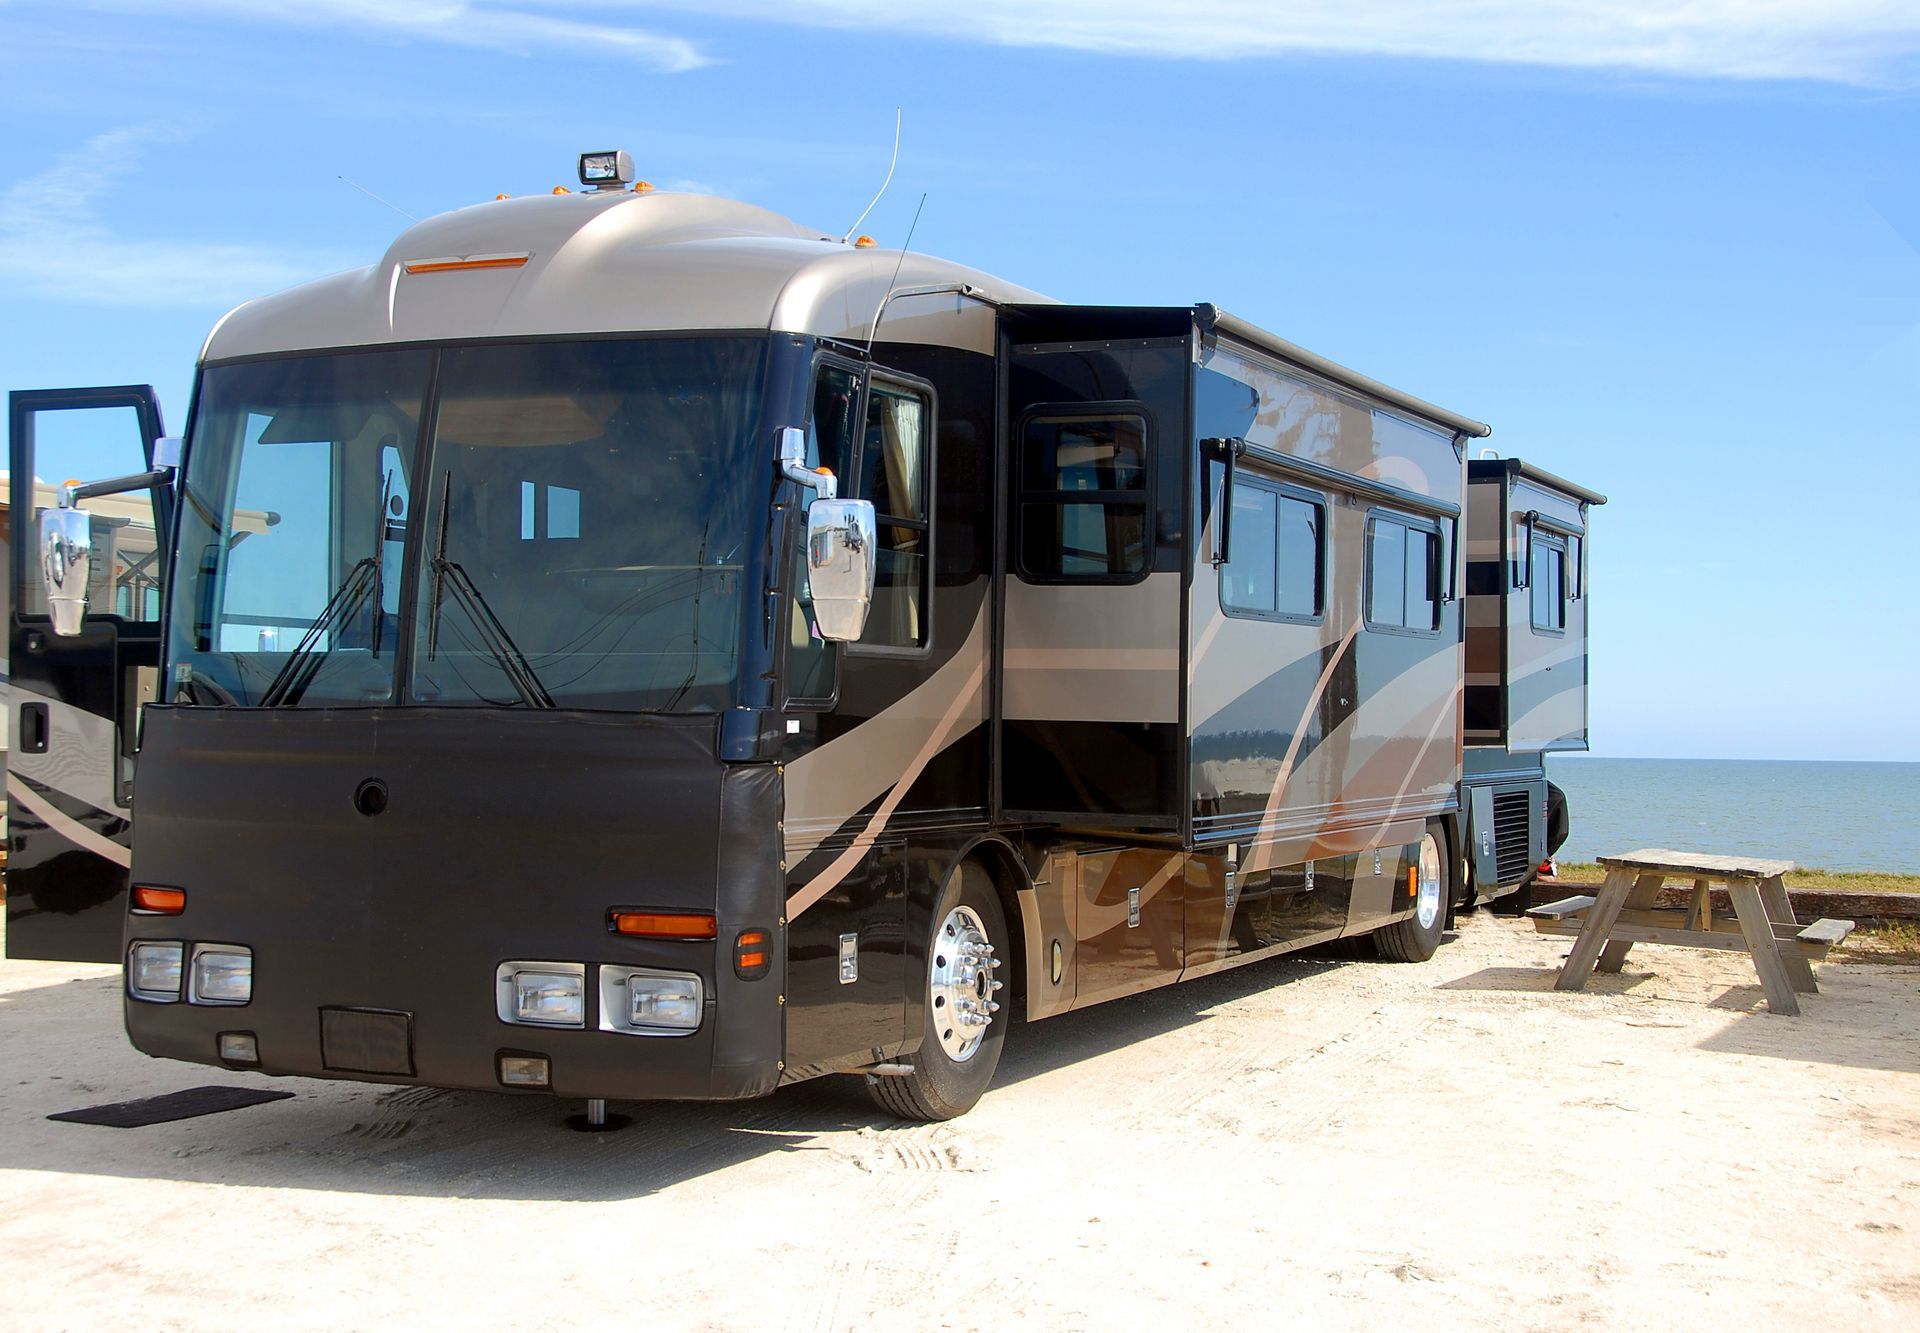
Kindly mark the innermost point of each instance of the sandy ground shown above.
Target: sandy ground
(1345, 1143)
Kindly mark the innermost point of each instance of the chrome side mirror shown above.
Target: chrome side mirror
(66, 563)
(840, 566)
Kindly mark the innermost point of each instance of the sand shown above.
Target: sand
(1306, 1141)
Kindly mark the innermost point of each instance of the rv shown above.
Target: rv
(627, 645)
(1526, 683)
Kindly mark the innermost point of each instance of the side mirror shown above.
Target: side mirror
(840, 566)
(66, 563)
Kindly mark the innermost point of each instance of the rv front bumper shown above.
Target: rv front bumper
(663, 1021)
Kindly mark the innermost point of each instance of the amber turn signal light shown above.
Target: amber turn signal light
(159, 902)
(752, 954)
(663, 925)
(1413, 881)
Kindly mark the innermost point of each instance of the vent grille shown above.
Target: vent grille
(1510, 841)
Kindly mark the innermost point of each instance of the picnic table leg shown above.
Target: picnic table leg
(1645, 893)
(1773, 892)
(1594, 930)
(1747, 905)
(1700, 907)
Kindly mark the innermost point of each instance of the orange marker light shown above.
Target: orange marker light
(864, 243)
(642, 187)
(664, 925)
(751, 958)
(159, 902)
(498, 197)
(561, 189)
(1413, 881)
(452, 263)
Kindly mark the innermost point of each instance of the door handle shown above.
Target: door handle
(33, 728)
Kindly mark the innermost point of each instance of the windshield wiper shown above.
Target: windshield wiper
(494, 638)
(303, 663)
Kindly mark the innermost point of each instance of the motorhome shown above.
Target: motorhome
(625, 644)
(1527, 669)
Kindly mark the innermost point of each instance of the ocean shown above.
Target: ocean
(1830, 815)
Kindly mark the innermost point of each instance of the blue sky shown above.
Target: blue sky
(1676, 258)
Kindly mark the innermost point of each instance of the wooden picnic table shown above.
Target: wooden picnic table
(1623, 914)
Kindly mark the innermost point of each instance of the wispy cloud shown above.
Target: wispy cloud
(55, 244)
(1864, 42)
(531, 28)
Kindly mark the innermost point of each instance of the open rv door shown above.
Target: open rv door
(1088, 706)
(73, 709)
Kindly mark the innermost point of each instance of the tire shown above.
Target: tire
(952, 1069)
(1415, 939)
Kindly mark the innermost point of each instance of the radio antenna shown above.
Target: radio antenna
(883, 184)
(893, 283)
(388, 202)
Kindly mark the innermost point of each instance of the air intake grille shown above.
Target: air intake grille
(1510, 842)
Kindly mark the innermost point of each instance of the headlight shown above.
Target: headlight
(222, 974)
(650, 1003)
(548, 995)
(153, 972)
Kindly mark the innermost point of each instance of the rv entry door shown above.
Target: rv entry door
(1088, 658)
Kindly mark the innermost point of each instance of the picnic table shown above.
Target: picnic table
(1606, 925)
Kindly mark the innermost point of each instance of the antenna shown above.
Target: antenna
(389, 203)
(883, 184)
(874, 330)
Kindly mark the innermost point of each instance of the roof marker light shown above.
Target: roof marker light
(643, 187)
(561, 189)
(864, 243)
(451, 263)
(498, 197)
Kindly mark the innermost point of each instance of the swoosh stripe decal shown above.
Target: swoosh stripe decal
(1433, 733)
(1262, 853)
(822, 884)
(66, 825)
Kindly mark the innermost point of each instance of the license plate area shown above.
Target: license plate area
(367, 1041)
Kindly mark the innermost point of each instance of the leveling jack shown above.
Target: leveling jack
(596, 1120)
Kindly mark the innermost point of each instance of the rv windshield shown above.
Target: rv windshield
(576, 539)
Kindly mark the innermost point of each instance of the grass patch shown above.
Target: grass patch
(1893, 942)
(1840, 881)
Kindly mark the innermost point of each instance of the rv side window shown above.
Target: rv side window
(893, 473)
(1548, 557)
(1277, 560)
(1083, 498)
(1403, 575)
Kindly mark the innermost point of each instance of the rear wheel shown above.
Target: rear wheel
(964, 1026)
(1415, 939)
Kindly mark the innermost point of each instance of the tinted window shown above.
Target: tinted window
(1549, 561)
(1248, 579)
(893, 474)
(1083, 503)
(1403, 575)
(1276, 563)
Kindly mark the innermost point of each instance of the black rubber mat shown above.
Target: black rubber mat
(171, 1106)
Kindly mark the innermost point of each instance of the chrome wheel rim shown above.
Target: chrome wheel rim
(960, 984)
(1426, 901)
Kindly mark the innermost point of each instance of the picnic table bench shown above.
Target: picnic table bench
(1622, 914)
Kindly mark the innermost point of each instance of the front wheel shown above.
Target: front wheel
(1415, 939)
(964, 1025)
